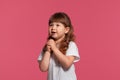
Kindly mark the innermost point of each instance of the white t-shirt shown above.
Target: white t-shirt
(56, 71)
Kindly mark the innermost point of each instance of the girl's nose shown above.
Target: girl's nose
(54, 27)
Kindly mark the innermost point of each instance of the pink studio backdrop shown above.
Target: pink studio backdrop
(23, 32)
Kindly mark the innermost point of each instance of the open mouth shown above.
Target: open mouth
(52, 35)
(53, 32)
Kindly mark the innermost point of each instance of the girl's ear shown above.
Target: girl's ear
(67, 30)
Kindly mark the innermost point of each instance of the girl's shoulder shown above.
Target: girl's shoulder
(72, 44)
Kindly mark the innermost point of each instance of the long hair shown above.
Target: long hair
(65, 20)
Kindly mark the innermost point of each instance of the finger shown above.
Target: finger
(51, 40)
(48, 48)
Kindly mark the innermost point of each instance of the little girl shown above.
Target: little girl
(60, 51)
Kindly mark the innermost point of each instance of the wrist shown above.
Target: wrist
(47, 51)
(54, 48)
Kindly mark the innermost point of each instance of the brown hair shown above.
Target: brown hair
(65, 20)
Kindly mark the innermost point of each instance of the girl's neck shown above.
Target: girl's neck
(58, 43)
(59, 40)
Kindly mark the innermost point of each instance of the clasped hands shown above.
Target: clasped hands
(51, 45)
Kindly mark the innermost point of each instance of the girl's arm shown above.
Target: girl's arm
(65, 61)
(44, 63)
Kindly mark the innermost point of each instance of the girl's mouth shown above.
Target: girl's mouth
(53, 32)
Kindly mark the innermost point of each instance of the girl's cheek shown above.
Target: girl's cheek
(49, 29)
(49, 32)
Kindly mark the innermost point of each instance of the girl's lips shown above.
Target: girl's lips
(53, 32)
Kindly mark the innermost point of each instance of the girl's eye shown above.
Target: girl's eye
(57, 25)
(50, 24)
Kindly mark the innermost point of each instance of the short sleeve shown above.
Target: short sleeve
(73, 51)
(40, 56)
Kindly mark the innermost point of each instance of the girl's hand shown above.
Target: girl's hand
(48, 48)
(51, 43)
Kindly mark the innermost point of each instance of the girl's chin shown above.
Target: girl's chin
(53, 37)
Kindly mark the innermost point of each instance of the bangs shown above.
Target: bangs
(58, 18)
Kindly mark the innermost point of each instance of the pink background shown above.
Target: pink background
(23, 32)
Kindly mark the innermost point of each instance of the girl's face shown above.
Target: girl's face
(57, 30)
